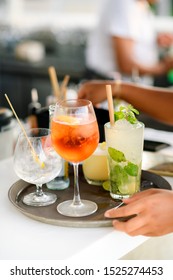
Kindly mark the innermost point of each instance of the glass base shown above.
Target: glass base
(86, 208)
(94, 182)
(119, 196)
(34, 200)
(59, 183)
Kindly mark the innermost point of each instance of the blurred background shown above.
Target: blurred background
(35, 34)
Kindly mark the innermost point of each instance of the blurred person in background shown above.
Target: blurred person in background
(125, 41)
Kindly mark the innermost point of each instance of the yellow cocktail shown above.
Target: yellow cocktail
(95, 168)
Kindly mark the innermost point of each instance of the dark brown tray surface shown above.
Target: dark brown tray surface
(49, 214)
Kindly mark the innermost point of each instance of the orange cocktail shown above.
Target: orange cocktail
(74, 138)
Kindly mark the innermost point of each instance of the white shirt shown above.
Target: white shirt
(124, 18)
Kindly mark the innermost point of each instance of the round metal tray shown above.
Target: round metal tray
(49, 214)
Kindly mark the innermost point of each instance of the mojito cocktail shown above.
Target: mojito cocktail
(124, 150)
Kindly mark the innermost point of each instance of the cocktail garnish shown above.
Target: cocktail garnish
(68, 119)
(116, 155)
(119, 174)
(126, 112)
(106, 185)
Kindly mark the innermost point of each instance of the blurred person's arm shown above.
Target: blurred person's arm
(154, 101)
(124, 52)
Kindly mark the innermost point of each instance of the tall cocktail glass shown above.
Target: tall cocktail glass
(124, 149)
(75, 137)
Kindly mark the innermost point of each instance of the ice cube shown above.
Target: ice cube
(123, 124)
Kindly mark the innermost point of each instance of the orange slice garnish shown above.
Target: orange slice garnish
(68, 119)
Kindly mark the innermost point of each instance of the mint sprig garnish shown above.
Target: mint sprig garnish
(128, 113)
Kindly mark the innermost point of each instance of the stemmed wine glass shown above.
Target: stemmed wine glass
(75, 136)
(36, 162)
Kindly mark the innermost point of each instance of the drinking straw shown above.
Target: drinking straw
(42, 165)
(110, 103)
(63, 88)
(54, 81)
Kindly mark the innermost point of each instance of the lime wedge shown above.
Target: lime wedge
(127, 189)
(106, 185)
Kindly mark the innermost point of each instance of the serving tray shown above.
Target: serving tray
(49, 214)
(163, 169)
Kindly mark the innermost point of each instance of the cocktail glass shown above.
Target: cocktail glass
(36, 162)
(95, 168)
(62, 181)
(124, 149)
(75, 137)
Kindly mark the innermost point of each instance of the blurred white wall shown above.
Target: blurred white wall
(64, 14)
(50, 13)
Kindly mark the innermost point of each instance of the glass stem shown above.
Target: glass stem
(39, 191)
(76, 199)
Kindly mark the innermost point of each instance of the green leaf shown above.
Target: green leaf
(131, 169)
(135, 111)
(126, 112)
(118, 178)
(118, 115)
(116, 155)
